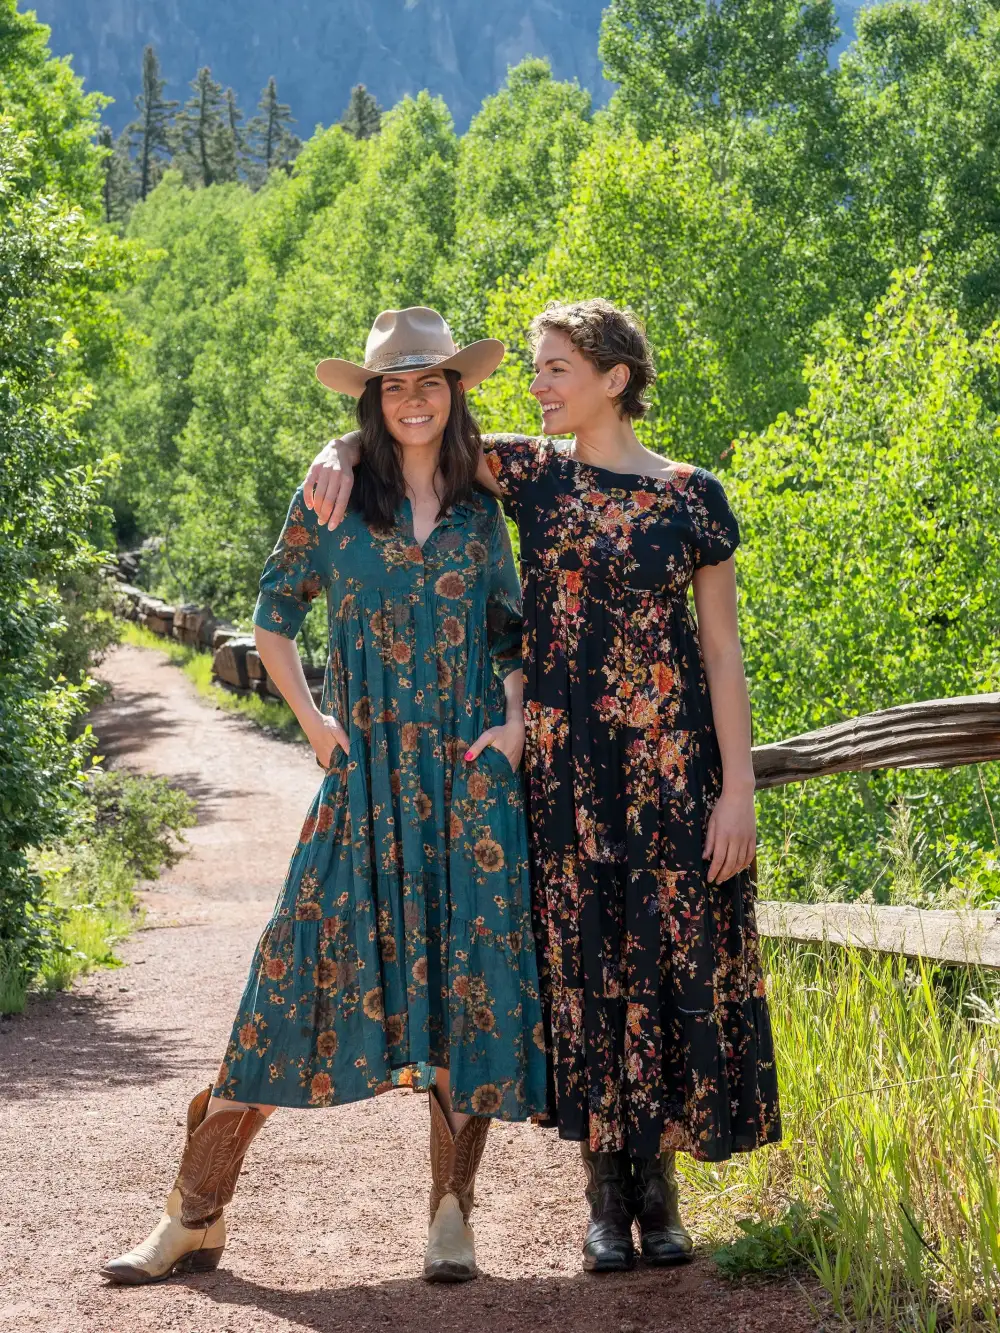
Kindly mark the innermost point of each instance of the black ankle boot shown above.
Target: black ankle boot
(664, 1239)
(608, 1245)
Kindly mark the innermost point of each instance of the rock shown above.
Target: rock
(229, 662)
(194, 625)
(255, 667)
(128, 563)
(222, 634)
(155, 615)
(126, 600)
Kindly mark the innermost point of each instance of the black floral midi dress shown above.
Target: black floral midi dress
(652, 988)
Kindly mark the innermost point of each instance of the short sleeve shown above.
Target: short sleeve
(297, 571)
(515, 462)
(716, 531)
(504, 621)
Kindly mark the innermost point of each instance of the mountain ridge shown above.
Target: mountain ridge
(318, 49)
(317, 52)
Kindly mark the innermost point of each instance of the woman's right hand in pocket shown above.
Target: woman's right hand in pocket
(330, 479)
(325, 738)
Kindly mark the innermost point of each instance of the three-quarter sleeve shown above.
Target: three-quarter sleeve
(515, 462)
(716, 531)
(297, 571)
(504, 620)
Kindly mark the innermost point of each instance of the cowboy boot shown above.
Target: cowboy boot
(608, 1247)
(191, 1234)
(657, 1210)
(451, 1245)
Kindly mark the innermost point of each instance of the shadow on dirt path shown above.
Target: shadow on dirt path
(328, 1225)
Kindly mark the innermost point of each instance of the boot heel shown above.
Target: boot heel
(201, 1261)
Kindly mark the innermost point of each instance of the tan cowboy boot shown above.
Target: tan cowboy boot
(451, 1245)
(191, 1234)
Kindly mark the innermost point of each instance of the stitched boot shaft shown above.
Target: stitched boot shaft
(657, 1210)
(608, 1247)
(191, 1234)
(455, 1158)
(213, 1156)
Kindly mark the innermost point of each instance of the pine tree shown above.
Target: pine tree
(363, 117)
(203, 130)
(117, 189)
(153, 129)
(274, 143)
(232, 146)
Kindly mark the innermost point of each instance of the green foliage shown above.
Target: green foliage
(920, 90)
(125, 827)
(42, 102)
(869, 564)
(139, 817)
(245, 294)
(274, 144)
(513, 178)
(649, 226)
(885, 1182)
(154, 127)
(56, 330)
(769, 1246)
(205, 153)
(686, 62)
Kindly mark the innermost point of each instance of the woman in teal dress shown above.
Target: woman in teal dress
(402, 937)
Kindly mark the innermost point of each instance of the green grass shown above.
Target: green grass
(887, 1183)
(91, 886)
(271, 715)
(13, 983)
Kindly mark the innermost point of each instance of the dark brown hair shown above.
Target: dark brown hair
(379, 488)
(607, 336)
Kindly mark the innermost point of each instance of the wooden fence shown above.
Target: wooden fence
(938, 733)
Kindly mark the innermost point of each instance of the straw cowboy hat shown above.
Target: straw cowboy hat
(412, 339)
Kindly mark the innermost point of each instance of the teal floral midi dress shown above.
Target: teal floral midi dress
(402, 936)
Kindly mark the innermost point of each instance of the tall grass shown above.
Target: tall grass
(270, 714)
(890, 1165)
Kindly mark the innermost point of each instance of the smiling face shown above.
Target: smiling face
(572, 393)
(416, 406)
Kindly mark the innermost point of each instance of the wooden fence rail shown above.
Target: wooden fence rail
(965, 939)
(937, 733)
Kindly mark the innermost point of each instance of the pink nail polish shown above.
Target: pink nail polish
(468, 755)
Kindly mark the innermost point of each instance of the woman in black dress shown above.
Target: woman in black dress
(640, 784)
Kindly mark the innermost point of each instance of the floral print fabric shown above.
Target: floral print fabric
(403, 933)
(651, 977)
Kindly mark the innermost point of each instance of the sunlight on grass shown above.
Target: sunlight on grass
(270, 714)
(886, 1184)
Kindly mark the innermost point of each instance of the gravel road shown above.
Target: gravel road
(328, 1225)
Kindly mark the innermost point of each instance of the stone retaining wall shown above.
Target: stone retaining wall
(236, 664)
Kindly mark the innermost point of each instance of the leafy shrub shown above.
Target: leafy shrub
(868, 575)
(140, 817)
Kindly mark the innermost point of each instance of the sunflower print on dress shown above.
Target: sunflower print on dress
(402, 937)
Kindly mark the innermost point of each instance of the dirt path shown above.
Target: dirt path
(328, 1224)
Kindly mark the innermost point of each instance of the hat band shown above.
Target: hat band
(391, 362)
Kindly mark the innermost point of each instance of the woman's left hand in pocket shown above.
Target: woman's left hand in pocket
(508, 739)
